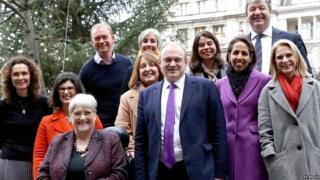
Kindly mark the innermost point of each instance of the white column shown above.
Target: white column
(315, 28)
(299, 25)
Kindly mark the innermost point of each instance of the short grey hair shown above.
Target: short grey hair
(268, 2)
(145, 32)
(83, 100)
(99, 25)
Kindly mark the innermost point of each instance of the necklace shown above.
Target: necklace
(23, 107)
(81, 152)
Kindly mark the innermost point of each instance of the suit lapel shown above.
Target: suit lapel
(305, 96)
(278, 96)
(66, 149)
(189, 88)
(157, 102)
(94, 147)
(249, 86)
(229, 92)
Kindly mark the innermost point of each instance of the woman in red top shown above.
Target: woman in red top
(65, 87)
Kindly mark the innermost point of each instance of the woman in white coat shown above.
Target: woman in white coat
(289, 117)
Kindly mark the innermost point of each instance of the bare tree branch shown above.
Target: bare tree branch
(5, 12)
(16, 11)
(16, 3)
(7, 19)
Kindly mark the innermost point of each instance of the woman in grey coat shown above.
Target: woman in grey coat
(289, 117)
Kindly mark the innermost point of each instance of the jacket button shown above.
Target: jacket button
(299, 147)
(89, 172)
(296, 123)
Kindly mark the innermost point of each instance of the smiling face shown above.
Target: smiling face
(102, 40)
(258, 15)
(148, 72)
(173, 62)
(67, 91)
(149, 43)
(286, 61)
(206, 48)
(20, 77)
(83, 120)
(239, 57)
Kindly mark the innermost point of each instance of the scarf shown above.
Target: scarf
(238, 79)
(210, 74)
(291, 90)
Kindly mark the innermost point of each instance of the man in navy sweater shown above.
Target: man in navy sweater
(102, 75)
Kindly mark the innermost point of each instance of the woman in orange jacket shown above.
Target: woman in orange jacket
(65, 87)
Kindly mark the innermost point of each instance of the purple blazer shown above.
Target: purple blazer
(244, 159)
(105, 159)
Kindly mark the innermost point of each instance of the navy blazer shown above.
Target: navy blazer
(202, 131)
(105, 159)
(278, 34)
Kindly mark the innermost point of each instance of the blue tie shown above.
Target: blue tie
(168, 149)
(258, 48)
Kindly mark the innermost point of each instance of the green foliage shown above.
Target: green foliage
(127, 18)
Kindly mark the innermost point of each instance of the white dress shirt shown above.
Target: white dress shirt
(178, 92)
(97, 58)
(266, 44)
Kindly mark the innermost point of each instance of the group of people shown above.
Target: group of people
(254, 115)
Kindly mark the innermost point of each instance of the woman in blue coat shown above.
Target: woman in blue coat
(239, 93)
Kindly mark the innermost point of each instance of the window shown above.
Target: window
(218, 31)
(182, 35)
(199, 29)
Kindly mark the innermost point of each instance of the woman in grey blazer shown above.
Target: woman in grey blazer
(289, 117)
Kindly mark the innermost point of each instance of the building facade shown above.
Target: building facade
(227, 19)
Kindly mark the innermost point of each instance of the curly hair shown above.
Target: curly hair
(62, 78)
(8, 90)
(195, 60)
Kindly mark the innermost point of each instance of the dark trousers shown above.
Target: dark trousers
(177, 172)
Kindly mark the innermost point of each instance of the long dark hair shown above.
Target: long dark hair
(62, 78)
(195, 61)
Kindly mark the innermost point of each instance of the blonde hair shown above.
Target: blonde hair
(300, 69)
(135, 77)
(145, 32)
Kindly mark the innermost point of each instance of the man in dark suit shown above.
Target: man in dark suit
(263, 35)
(180, 131)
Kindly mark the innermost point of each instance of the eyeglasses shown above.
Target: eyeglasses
(70, 88)
(78, 114)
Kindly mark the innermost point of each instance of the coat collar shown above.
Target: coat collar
(189, 88)
(157, 91)
(278, 96)
(248, 88)
(60, 121)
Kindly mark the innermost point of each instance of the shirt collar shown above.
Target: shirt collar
(267, 32)
(97, 58)
(179, 83)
